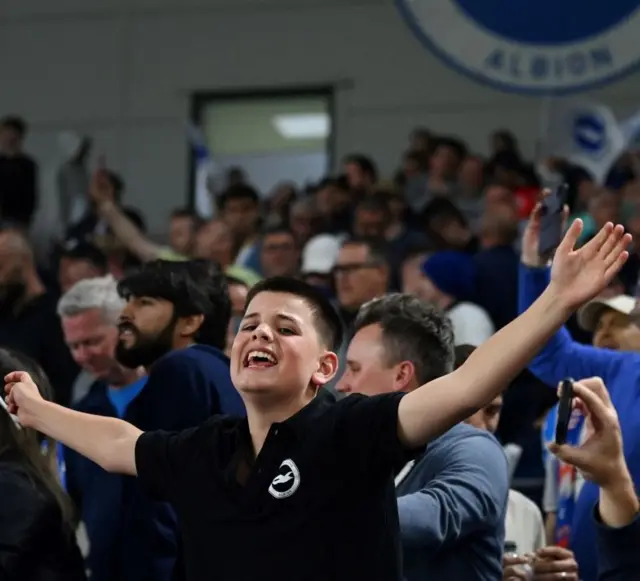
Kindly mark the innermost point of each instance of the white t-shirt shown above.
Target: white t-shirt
(523, 524)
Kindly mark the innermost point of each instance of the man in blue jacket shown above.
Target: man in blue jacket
(562, 357)
(452, 500)
(173, 324)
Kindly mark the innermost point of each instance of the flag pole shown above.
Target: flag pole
(544, 120)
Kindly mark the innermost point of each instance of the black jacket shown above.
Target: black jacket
(36, 331)
(35, 544)
(18, 189)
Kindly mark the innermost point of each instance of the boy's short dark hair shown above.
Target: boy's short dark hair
(193, 287)
(412, 330)
(326, 319)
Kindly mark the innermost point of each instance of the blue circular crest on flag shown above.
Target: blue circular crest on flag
(590, 132)
(548, 47)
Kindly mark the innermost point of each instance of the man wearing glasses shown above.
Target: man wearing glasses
(361, 274)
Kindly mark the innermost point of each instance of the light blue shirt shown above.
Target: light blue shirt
(121, 397)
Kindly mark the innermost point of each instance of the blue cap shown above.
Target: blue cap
(453, 273)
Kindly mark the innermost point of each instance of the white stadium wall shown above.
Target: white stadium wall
(122, 70)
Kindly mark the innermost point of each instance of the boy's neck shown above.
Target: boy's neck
(262, 415)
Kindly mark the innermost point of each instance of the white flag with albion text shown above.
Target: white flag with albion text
(586, 134)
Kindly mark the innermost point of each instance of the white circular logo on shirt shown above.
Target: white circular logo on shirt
(530, 46)
(286, 482)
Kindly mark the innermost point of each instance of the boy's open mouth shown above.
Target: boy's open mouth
(260, 359)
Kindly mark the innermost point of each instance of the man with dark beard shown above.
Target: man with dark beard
(174, 324)
(28, 319)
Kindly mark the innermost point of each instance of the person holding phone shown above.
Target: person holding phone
(562, 357)
(37, 536)
(601, 459)
(93, 227)
(526, 554)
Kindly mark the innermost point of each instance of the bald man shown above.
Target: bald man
(28, 319)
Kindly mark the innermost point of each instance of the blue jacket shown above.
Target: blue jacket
(618, 554)
(133, 538)
(497, 283)
(562, 357)
(452, 508)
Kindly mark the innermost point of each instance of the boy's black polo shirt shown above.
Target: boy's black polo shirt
(318, 504)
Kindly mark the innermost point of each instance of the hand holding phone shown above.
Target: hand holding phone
(515, 566)
(15, 419)
(551, 221)
(565, 408)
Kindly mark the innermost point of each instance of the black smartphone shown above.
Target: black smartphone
(564, 411)
(551, 221)
(510, 548)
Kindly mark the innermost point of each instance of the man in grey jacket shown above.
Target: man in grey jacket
(452, 500)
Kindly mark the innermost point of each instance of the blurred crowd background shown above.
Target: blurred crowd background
(445, 227)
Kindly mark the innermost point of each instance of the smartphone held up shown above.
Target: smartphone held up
(551, 221)
(565, 411)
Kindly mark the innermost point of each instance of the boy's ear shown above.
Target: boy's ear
(327, 369)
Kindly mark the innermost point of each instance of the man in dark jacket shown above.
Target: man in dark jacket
(18, 174)
(28, 320)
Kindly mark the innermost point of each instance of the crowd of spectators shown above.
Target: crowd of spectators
(448, 230)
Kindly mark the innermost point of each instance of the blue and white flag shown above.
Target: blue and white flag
(204, 172)
(586, 134)
(630, 128)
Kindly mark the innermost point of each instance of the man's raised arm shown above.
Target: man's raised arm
(128, 234)
(109, 442)
(576, 277)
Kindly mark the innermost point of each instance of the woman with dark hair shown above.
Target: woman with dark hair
(37, 536)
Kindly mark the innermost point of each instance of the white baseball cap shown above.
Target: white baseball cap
(589, 314)
(320, 254)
